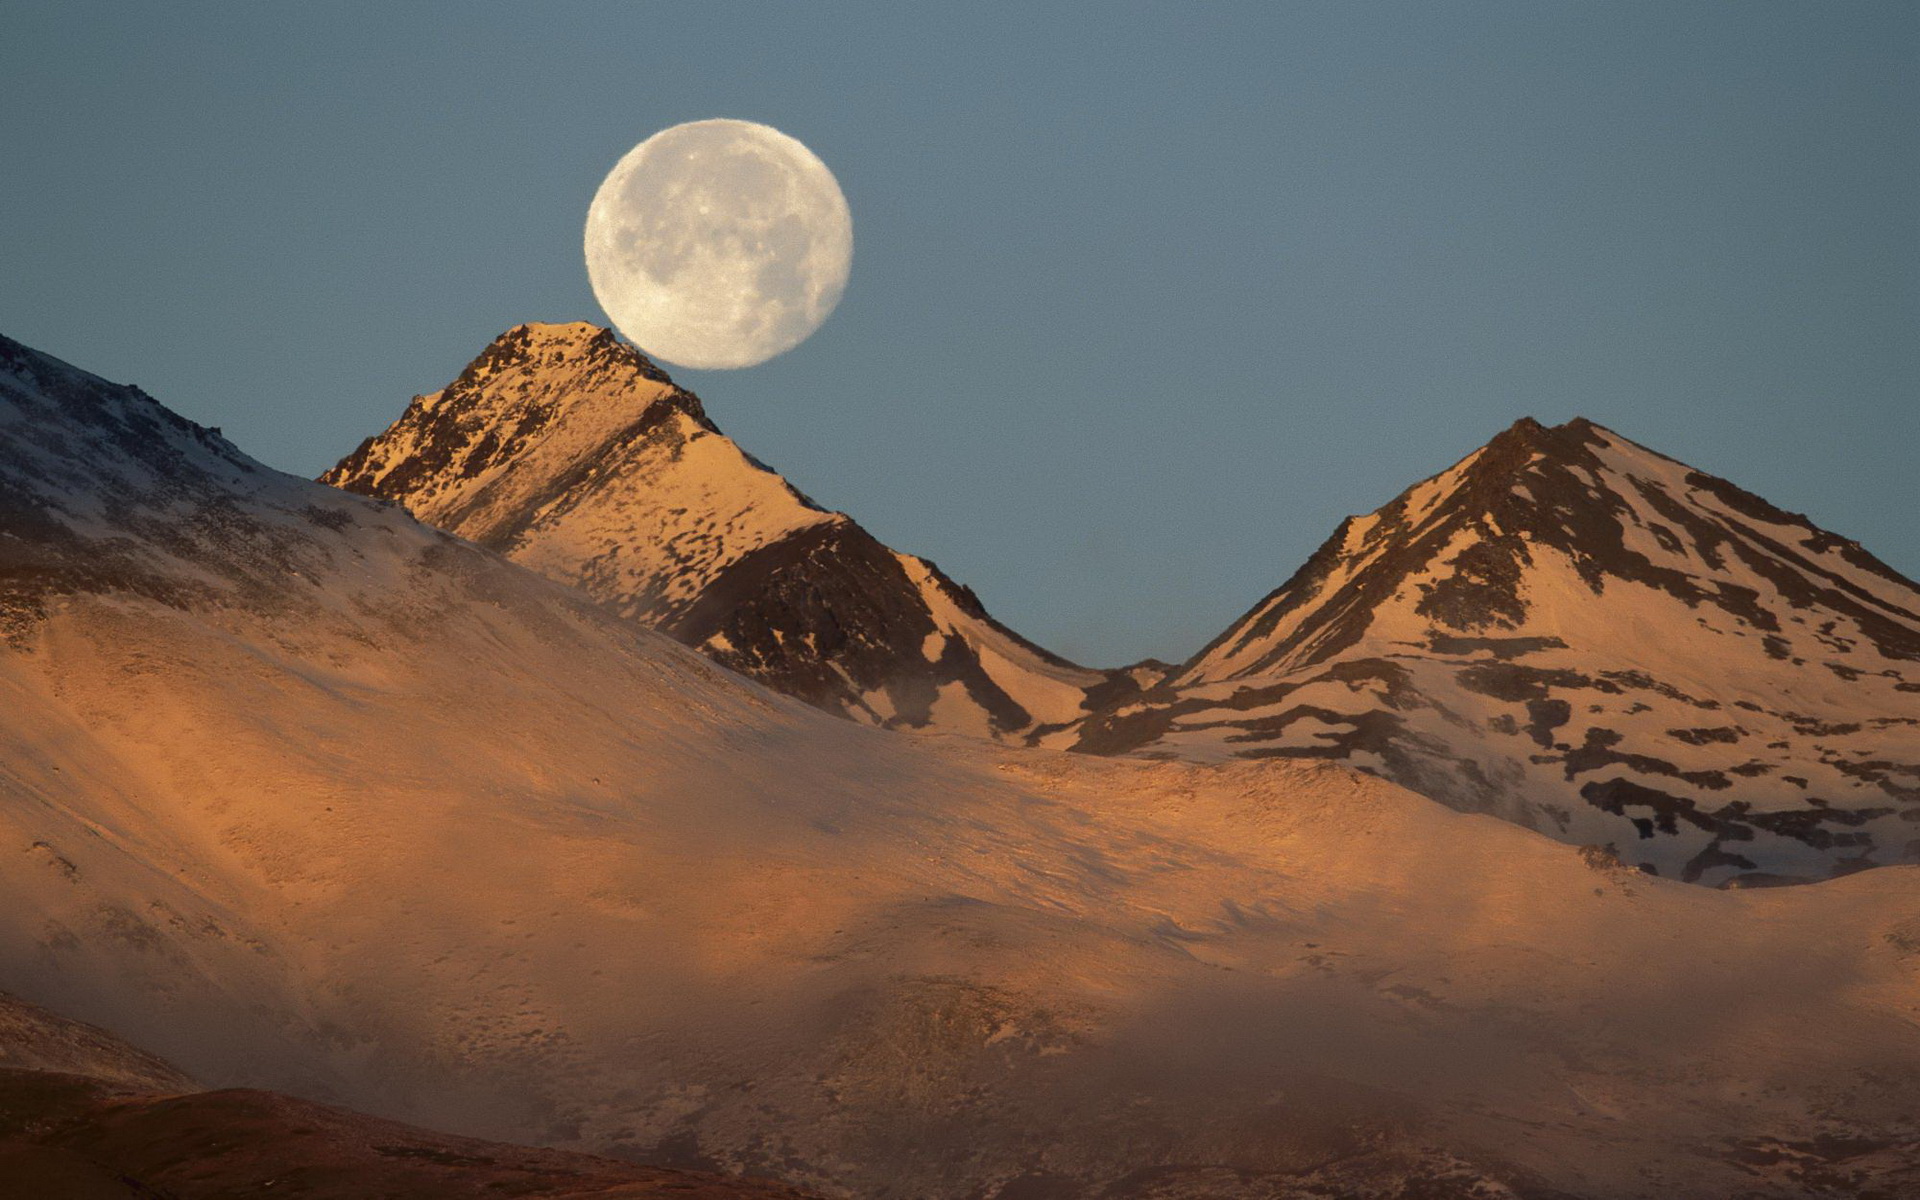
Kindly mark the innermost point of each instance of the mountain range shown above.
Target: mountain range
(304, 795)
(1565, 629)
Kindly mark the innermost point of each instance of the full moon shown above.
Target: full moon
(719, 244)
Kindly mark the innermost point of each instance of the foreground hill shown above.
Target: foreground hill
(306, 796)
(569, 452)
(1575, 633)
(35, 1040)
(85, 1116)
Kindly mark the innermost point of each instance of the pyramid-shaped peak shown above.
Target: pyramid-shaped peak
(545, 403)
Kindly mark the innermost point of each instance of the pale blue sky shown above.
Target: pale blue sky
(1145, 298)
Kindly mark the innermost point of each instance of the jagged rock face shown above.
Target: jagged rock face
(1574, 632)
(573, 454)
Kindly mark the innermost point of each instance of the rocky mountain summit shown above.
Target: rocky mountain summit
(573, 454)
(1576, 633)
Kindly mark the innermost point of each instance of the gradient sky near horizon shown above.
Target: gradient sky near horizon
(1145, 298)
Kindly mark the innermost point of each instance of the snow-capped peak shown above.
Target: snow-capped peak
(573, 454)
(1581, 634)
(544, 408)
(1458, 547)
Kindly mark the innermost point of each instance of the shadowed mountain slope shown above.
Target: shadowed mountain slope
(85, 1116)
(1571, 631)
(33, 1039)
(71, 1137)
